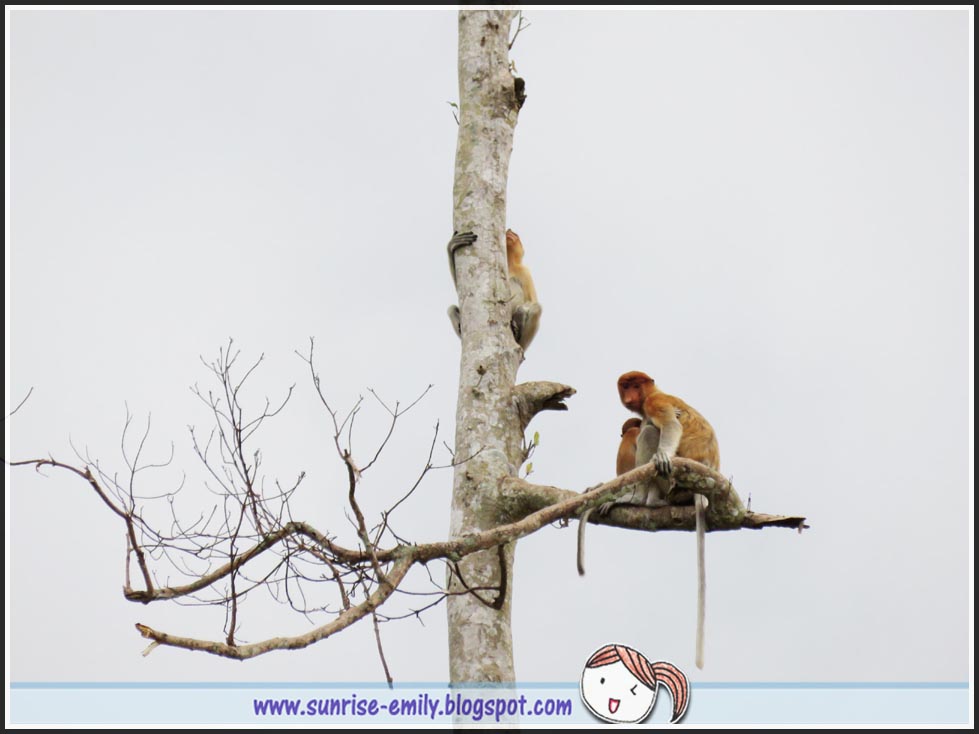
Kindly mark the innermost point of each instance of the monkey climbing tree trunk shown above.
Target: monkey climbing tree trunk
(488, 428)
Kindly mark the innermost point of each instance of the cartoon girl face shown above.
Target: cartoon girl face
(619, 685)
(612, 693)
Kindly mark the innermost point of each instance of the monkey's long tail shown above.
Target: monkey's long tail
(582, 522)
(700, 503)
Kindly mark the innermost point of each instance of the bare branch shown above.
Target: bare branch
(21, 403)
(385, 516)
(126, 517)
(395, 414)
(725, 511)
(520, 27)
(380, 650)
(242, 652)
(361, 523)
(290, 529)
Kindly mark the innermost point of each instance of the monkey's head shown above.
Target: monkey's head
(633, 389)
(630, 424)
(514, 247)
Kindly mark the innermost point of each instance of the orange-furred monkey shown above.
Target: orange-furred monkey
(672, 428)
(525, 310)
(625, 460)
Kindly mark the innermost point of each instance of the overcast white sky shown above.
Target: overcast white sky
(766, 210)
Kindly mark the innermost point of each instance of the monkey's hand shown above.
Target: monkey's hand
(664, 467)
(459, 239)
(465, 237)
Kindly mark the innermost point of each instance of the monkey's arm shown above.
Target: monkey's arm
(459, 239)
(663, 415)
(648, 443)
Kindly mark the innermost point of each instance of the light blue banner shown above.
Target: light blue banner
(420, 704)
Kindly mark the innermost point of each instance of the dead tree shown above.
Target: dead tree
(249, 539)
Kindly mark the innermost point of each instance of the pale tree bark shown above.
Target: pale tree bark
(488, 424)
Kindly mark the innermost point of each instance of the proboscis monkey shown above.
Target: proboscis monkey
(525, 310)
(625, 460)
(679, 431)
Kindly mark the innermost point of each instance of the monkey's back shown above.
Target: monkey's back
(521, 284)
(699, 442)
(625, 460)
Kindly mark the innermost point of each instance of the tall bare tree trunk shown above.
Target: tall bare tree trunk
(488, 428)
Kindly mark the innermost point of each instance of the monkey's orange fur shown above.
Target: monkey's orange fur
(626, 458)
(516, 268)
(639, 393)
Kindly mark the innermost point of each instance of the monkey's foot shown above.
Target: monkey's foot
(606, 507)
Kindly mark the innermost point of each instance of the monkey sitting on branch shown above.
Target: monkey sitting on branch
(668, 427)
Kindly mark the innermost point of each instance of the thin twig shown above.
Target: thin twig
(380, 650)
(520, 27)
(21, 403)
